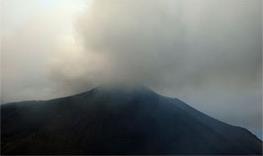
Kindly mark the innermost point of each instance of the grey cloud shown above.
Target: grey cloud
(172, 42)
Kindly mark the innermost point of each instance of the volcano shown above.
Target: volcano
(108, 120)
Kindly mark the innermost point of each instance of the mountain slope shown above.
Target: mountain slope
(118, 121)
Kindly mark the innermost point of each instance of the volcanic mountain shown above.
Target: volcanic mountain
(108, 120)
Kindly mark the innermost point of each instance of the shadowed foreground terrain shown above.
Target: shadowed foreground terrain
(118, 121)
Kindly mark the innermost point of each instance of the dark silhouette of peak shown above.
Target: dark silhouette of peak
(118, 120)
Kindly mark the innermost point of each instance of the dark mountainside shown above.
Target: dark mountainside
(118, 121)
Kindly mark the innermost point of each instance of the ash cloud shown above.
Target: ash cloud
(167, 43)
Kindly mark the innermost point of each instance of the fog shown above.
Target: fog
(206, 52)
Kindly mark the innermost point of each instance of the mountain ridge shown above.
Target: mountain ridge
(118, 121)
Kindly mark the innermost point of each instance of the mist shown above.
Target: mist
(205, 52)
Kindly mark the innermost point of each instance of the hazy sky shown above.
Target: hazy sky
(206, 52)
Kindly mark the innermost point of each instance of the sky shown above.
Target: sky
(207, 53)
